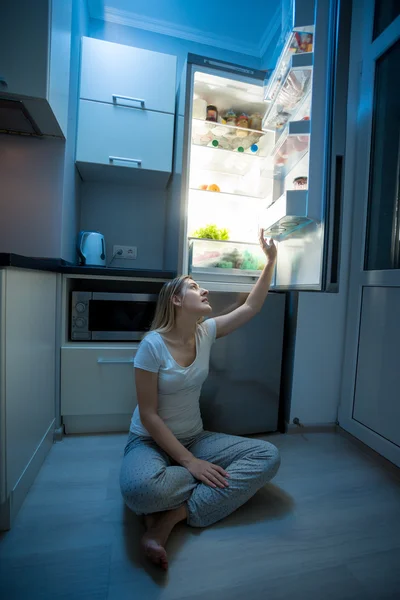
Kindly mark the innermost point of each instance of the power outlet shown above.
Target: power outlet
(129, 252)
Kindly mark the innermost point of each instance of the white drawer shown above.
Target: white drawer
(97, 381)
(114, 73)
(128, 137)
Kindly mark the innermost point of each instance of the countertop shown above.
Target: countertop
(58, 265)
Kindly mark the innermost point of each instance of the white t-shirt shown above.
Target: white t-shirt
(178, 387)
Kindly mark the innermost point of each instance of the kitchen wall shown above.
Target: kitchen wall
(127, 215)
(72, 181)
(317, 368)
(31, 192)
(39, 185)
(158, 42)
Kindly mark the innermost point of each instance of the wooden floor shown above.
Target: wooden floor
(327, 528)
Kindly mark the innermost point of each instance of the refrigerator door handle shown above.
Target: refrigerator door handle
(332, 284)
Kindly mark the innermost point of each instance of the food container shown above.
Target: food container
(255, 121)
(231, 117)
(216, 256)
(242, 121)
(199, 109)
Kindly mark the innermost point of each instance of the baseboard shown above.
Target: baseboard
(28, 476)
(312, 428)
(96, 423)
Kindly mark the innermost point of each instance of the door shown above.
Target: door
(309, 255)
(370, 399)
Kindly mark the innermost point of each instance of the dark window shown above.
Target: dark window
(382, 250)
(385, 13)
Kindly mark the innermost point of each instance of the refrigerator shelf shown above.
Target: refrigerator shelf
(291, 92)
(229, 162)
(224, 257)
(228, 137)
(286, 215)
(291, 147)
(227, 195)
(222, 128)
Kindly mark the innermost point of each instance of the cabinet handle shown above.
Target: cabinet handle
(137, 161)
(116, 96)
(117, 361)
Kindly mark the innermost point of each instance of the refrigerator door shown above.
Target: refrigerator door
(309, 248)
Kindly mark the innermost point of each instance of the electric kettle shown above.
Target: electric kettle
(91, 248)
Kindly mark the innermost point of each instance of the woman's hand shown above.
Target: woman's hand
(268, 248)
(208, 473)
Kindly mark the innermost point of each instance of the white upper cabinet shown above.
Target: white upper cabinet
(35, 48)
(124, 137)
(126, 114)
(130, 76)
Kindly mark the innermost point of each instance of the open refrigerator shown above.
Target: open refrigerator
(265, 150)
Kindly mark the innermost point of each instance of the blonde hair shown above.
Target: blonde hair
(165, 315)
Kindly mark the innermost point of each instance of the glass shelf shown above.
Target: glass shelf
(291, 147)
(224, 194)
(219, 256)
(225, 162)
(227, 137)
(291, 92)
(286, 215)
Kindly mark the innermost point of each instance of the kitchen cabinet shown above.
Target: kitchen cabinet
(124, 139)
(129, 76)
(35, 45)
(27, 381)
(97, 381)
(126, 114)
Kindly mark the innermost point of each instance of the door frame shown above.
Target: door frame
(360, 114)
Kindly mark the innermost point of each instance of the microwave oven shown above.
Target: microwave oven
(106, 316)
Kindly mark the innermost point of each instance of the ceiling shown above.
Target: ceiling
(233, 25)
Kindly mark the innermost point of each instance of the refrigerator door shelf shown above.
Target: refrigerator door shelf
(290, 92)
(213, 257)
(291, 147)
(287, 215)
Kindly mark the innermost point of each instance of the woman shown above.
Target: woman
(172, 469)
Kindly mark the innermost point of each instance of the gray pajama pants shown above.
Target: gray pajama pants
(151, 481)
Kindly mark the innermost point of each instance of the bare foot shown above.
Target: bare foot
(159, 529)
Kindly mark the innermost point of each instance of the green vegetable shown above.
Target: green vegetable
(225, 264)
(250, 262)
(211, 232)
(233, 258)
